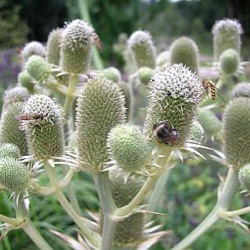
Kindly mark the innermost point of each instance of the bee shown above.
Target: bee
(30, 117)
(96, 40)
(211, 89)
(165, 133)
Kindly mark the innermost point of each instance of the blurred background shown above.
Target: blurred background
(192, 187)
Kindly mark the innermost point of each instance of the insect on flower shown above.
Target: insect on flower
(211, 90)
(30, 116)
(165, 133)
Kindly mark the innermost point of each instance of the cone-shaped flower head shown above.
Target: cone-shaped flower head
(14, 175)
(42, 121)
(241, 90)
(38, 68)
(197, 132)
(142, 49)
(129, 148)
(130, 230)
(9, 150)
(236, 135)
(226, 35)
(32, 48)
(100, 107)
(229, 62)
(10, 131)
(184, 50)
(244, 176)
(174, 95)
(53, 46)
(75, 47)
(26, 80)
(112, 74)
(145, 74)
(16, 94)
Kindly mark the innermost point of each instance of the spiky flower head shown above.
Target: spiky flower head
(38, 68)
(145, 74)
(174, 95)
(241, 90)
(16, 94)
(236, 136)
(42, 120)
(129, 231)
(10, 131)
(197, 132)
(53, 46)
(100, 107)
(184, 50)
(129, 148)
(14, 175)
(244, 176)
(9, 150)
(229, 62)
(141, 47)
(226, 35)
(112, 74)
(26, 80)
(75, 47)
(32, 48)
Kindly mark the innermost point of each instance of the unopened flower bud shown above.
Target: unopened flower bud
(244, 176)
(112, 74)
(26, 80)
(9, 150)
(145, 74)
(197, 132)
(241, 90)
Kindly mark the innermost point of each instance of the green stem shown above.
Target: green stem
(83, 5)
(91, 236)
(28, 227)
(102, 182)
(230, 188)
(148, 185)
(12, 221)
(237, 212)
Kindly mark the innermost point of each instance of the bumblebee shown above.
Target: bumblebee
(164, 133)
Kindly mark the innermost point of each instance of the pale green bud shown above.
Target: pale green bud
(9, 150)
(112, 74)
(14, 175)
(210, 123)
(26, 80)
(10, 131)
(128, 148)
(32, 48)
(241, 90)
(197, 132)
(38, 68)
(43, 125)
(141, 47)
(100, 107)
(226, 35)
(236, 136)
(163, 59)
(184, 50)
(174, 95)
(145, 74)
(244, 176)
(53, 46)
(16, 94)
(75, 47)
(229, 62)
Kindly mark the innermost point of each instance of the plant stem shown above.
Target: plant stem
(230, 188)
(12, 221)
(90, 236)
(28, 227)
(236, 212)
(108, 205)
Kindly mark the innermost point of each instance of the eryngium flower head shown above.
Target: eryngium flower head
(241, 90)
(229, 62)
(184, 50)
(42, 121)
(129, 148)
(226, 35)
(32, 48)
(26, 80)
(197, 132)
(112, 74)
(10, 131)
(53, 46)
(100, 107)
(142, 49)
(145, 74)
(174, 95)
(14, 175)
(9, 150)
(38, 68)
(75, 47)
(236, 136)
(244, 176)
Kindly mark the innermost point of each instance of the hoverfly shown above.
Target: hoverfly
(211, 89)
(165, 133)
(30, 116)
